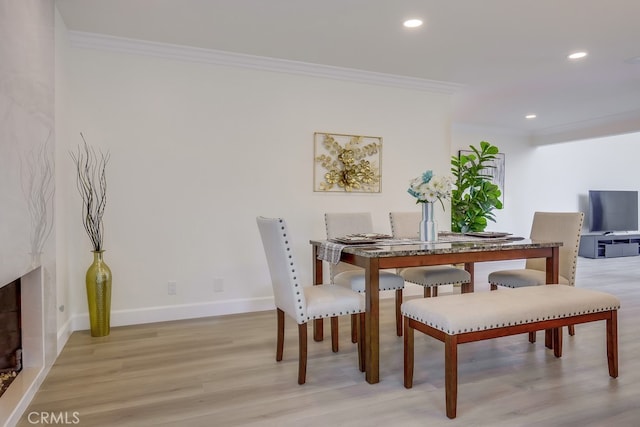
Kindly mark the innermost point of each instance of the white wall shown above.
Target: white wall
(198, 151)
(517, 213)
(26, 133)
(63, 192)
(555, 177)
(574, 168)
(27, 144)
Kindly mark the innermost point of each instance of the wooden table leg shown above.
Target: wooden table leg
(612, 344)
(553, 266)
(372, 319)
(318, 326)
(557, 341)
(552, 277)
(468, 287)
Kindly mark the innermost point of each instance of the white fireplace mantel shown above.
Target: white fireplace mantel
(17, 397)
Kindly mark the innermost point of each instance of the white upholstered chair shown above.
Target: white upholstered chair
(554, 226)
(351, 276)
(304, 303)
(405, 225)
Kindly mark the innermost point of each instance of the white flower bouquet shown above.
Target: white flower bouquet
(428, 188)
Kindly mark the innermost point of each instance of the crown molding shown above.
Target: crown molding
(491, 130)
(614, 124)
(87, 40)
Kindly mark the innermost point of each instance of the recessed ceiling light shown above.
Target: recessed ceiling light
(530, 116)
(577, 55)
(412, 23)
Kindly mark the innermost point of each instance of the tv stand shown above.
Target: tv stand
(609, 245)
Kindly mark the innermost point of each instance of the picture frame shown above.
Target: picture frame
(347, 163)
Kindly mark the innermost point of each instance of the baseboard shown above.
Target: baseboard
(177, 312)
(63, 335)
(80, 322)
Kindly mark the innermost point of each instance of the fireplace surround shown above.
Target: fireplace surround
(10, 334)
(18, 395)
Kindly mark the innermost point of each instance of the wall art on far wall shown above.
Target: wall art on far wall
(351, 163)
(496, 171)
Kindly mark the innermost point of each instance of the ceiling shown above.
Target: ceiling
(509, 56)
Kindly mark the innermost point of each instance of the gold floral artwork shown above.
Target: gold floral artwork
(347, 163)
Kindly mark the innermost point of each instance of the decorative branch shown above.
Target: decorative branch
(38, 190)
(92, 186)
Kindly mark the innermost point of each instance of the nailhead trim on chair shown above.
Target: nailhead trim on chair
(332, 315)
(425, 278)
(304, 316)
(295, 284)
(457, 282)
(393, 231)
(572, 280)
(574, 264)
(313, 302)
(355, 280)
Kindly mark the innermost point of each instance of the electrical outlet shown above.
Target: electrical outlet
(218, 284)
(172, 288)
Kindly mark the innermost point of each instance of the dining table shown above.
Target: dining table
(450, 248)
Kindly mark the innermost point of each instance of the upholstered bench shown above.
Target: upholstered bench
(469, 317)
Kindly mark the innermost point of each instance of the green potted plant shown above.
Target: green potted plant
(475, 196)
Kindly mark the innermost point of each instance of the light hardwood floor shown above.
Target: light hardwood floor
(222, 372)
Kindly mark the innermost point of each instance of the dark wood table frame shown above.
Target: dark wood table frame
(374, 259)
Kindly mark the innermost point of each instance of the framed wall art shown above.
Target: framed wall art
(351, 163)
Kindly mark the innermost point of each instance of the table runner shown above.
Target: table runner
(330, 252)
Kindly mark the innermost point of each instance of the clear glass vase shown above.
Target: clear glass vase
(98, 281)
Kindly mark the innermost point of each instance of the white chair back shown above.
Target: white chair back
(558, 226)
(405, 225)
(285, 278)
(341, 224)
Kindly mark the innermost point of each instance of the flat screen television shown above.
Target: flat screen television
(611, 211)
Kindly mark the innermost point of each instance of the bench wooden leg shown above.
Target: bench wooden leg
(557, 341)
(572, 330)
(408, 354)
(553, 339)
(451, 374)
(548, 338)
(612, 344)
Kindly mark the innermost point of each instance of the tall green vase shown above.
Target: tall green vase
(99, 296)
